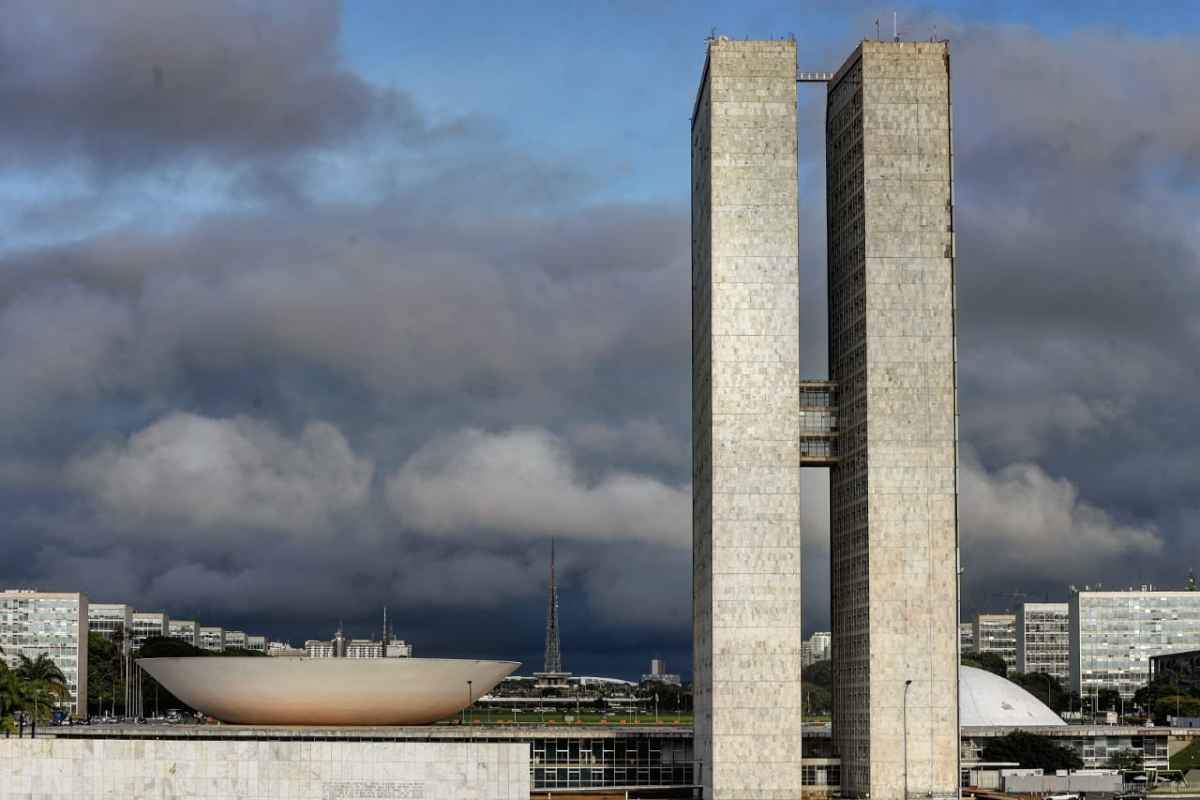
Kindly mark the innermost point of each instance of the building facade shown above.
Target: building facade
(235, 639)
(185, 630)
(817, 648)
(1044, 639)
(885, 422)
(997, 633)
(1115, 634)
(109, 619)
(212, 637)
(256, 643)
(966, 637)
(745, 419)
(148, 625)
(893, 509)
(53, 624)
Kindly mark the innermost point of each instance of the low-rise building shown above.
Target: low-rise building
(283, 649)
(148, 625)
(186, 630)
(109, 619)
(55, 624)
(212, 637)
(319, 648)
(398, 648)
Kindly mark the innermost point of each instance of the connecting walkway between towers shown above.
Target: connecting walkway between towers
(818, 423)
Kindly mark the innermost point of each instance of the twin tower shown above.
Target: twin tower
(885, 422)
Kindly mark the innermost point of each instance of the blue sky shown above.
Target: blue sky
(311, 308)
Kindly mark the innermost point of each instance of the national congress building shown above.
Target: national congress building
(884, 422)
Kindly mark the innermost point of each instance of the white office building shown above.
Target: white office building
(186, 630)
(33, 623)
(1114, 635)
(108, 619)
(256, 643)
(147, 625)
(997, 633)
(1044, 639)
(817, 648)
(235, 639)
(966, 637)
(212, 637)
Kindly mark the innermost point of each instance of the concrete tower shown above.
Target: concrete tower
(885, 422)
(745, 418)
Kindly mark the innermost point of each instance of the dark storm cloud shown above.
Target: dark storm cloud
(288, 415)
(137, 82)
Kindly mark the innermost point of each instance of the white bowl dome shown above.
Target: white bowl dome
(985, 698)
(327, 691)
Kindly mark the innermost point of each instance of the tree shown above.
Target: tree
(1032, 751)
(1108, 699)
(1044, 687)
(1176, 706)
(819, 673)
(992, 662)
(45, 685)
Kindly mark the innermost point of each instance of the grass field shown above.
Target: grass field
(1187, 758)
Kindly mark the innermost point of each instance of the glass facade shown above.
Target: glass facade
(997, 633)
(966, 636)
(147, 624)
(1044, 639)
(33, 623)
(1114, 635)
(582, 762)
(109, 618)
(212, 638)
(185, 630)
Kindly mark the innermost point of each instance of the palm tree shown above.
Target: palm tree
(44, 682)
(12, 691)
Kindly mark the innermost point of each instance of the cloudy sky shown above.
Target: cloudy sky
(308, 309)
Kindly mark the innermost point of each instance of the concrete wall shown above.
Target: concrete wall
(745, 423)
(892, 351)
(110, 769)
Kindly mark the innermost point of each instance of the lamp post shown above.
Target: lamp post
(907, 684)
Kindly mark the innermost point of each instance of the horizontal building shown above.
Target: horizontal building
(1044, 639)
(319, 648)
(53, 624)
(186, 630)
(1115, 634)
(109, 619)
(212, 637)
(283, 649)
(235, 640)
(256, 643)
(148, 625)
(997, 633)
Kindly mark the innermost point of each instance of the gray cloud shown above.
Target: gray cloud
(186, 472)
(524, 482)
(136, 82)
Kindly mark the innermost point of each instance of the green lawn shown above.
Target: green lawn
(1187, 758)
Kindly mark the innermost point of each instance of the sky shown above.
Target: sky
(308, 308)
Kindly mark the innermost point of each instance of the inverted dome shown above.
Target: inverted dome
(985, 698)
(327, 691)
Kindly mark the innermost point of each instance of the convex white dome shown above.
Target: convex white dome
(985, 698)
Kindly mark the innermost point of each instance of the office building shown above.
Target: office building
(256, 643)
(186, 630)
(1044, 639)
(55, 624)
(1115, 634)
(283, 649)
(884, 422)
(109, 619)
(966, 637)
(212, 637)
(235, 640)
(658, 674)
(319, 648)
(817, 648)
(148, 625)
(997, 633)
(398, 648)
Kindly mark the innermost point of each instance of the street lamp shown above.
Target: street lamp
(907, 684)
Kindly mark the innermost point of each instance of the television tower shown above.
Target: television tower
(553, 661)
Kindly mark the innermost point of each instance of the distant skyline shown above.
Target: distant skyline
(308, 309)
